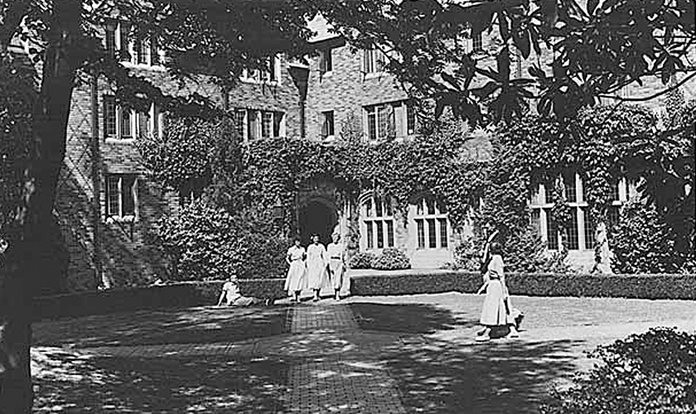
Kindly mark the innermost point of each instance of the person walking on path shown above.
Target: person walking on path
(497, 309)
(337, 266)
(296, 279)
(316, 265)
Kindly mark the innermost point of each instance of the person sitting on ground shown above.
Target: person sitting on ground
(231, 296)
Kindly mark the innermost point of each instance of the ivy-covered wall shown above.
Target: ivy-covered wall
(603, 145)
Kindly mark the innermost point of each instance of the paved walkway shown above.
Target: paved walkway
(361, 355)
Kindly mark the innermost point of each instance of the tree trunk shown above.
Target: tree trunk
(26, 259)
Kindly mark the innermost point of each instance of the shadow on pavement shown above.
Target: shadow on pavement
(495, 378)
(459, 375)
(412, 318)
(163, 385)
(191, 325)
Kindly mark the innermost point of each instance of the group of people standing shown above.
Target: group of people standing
(315, 267)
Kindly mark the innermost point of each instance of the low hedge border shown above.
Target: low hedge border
(647, 286)
(653, 286)
(185, 294)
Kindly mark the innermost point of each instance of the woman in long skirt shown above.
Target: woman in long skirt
(316, 265)
(496, 311)
(337, 266)
(296, 280)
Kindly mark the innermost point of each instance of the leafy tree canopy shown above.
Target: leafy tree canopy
(576, 51)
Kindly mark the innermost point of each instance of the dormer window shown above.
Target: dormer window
(269, 74)
(120, 41)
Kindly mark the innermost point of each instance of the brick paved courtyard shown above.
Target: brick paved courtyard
(362, 355)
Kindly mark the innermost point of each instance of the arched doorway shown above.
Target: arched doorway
(317, 216)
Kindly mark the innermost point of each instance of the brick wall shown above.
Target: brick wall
(345, 89)
(282, 96)
(129, 255)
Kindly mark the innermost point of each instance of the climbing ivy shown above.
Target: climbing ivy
(603, 144)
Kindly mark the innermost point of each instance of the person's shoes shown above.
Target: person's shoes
(316, 299)
(482, 338)
(513, 334)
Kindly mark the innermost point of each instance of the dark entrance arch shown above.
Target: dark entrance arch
(320, 217)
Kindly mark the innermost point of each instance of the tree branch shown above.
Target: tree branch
(653, 96)
(14, 12)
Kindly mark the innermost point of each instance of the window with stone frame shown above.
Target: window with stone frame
(378, 223)
(327, 124)
(325, 61)
(269, 73)
(432, 225)
(477, 42)
(411, 119)
(581, 229)
(374, 60)
(120, 39)
(389, 120)
(124, 124)
(253, 124)
(121, 196)
(239, 123)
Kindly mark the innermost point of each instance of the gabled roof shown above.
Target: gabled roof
(322, 28)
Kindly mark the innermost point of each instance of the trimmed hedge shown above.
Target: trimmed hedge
(151, 297)
(659, 286)
(653, 286)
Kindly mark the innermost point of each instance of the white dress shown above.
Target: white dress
(316, 265)
(495, 306)
(296, 279)
(337, 266)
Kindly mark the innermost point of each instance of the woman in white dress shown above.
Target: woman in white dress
(496, 311)
(296, 280)
(337, 266)
(316, 266)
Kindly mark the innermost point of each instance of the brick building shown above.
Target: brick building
(265, 105)
(342, 92)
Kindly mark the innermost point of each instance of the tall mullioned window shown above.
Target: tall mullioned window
(581, 228)
(477, 42)
(378, 223)
(432, 225)
(253, 124)
(390, 120)
(124, 123)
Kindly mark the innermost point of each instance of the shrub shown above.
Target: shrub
(207, 243)
(466, 257)
(361, 260)
(391, 259)
(523, 252)
(652, 372)
(532, 284)
(643, 243)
